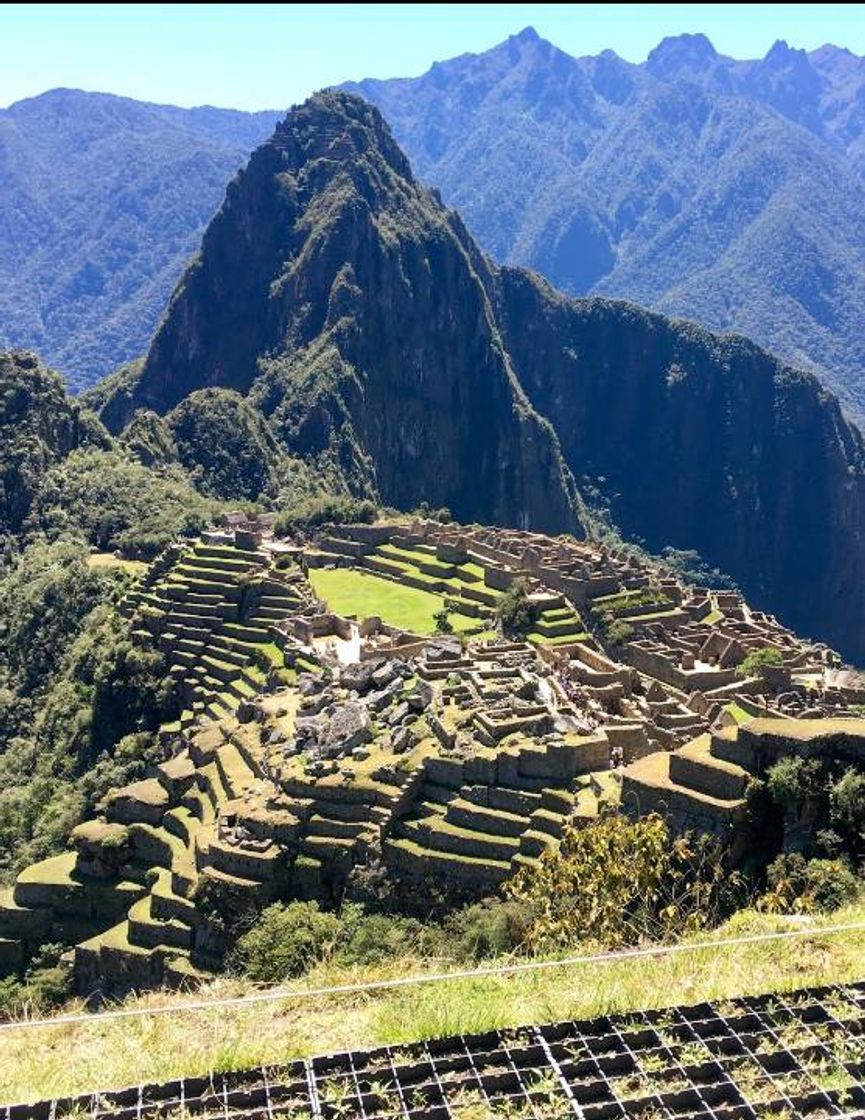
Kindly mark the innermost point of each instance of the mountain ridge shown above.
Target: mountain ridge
(617, 179)
(383, 347)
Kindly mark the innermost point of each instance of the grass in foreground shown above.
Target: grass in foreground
(64, 1060)
(351, 592)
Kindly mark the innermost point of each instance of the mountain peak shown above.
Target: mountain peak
(679, 52)
(336, 125)
(527, 35)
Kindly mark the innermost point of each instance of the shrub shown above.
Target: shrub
(618, 881)
(792, 781)
(616, 631)
(514, 611)
(443, 622)
(487, 929)
(372, 938)
(847, 806)
(41, 990)
(322, 510)
(798, 885)
(285, 941)
(758, 659)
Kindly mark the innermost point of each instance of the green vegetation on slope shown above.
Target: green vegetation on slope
(56, 1061)
(104, 201)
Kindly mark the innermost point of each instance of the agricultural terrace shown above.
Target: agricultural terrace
(348, 591)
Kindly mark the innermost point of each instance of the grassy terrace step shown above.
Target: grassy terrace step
(696, 767)
(410, 855)
(466, 815)
(438, 794)
(520, 802)
(225, 879)
(234, 770)
(241, 690)
(231, 564)
(328, 849)
(158, 846)
(327, 826)
(437, 833)
(653, 772)
(558, 614)
(218, 670)
(228, 652)
(562, 640)
(274, 614)
(166, 905)
(534, 843)
(150, 932)
(198, 802)
(558, 628)
(545, 820)
(182, 823)
(249, 631)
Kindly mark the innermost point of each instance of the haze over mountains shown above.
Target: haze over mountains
(727, 192)
(724, 191)
(102, 202)
(377, 345)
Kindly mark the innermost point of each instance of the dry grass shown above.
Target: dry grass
(109, 560)
(59, 1060)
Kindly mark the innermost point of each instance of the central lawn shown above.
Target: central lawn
(348, 591)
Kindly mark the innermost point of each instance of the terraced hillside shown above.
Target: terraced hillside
(461, 581)
(314, 743)
(123, 895)
(211, 608)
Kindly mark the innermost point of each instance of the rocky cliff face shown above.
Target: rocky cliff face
(703, 442)
(359, 317)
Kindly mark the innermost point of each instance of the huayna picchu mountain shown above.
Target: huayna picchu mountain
(359, 317)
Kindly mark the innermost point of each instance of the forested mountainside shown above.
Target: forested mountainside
(381, 347)
(102, 202)
(722, 191)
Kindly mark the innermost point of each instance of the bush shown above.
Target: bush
(617, 882)
(758, 659)
(801, 886)
(514, 612)
(792, 781)
(443, 622)
(616, 631)
(847, 806)
(41, 990)
(487, 929)
(324, 509)
(285, 941)
(365, 939)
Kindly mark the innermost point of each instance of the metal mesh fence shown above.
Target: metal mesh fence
(800, 1054)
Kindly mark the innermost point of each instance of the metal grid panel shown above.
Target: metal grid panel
(801, 1054)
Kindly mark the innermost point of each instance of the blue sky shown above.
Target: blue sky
(269, 56)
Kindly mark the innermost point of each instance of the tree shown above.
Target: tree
(757, 659)
(443, 622)
(514, 612)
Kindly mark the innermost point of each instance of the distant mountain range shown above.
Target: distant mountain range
(102, 203)
(728, 192)
(343, 318)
